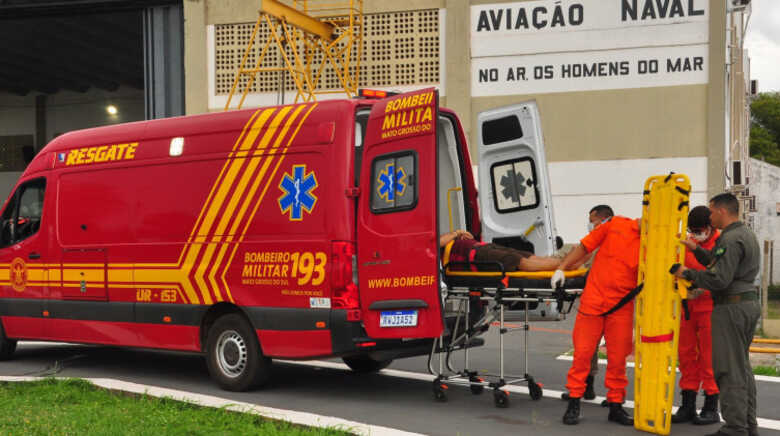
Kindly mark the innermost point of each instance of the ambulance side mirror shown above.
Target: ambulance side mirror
(558, 242)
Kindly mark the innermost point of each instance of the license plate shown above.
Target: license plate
(398, 318)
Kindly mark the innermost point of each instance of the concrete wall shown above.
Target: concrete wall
(765, 185)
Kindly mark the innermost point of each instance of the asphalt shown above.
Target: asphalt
(399, 398)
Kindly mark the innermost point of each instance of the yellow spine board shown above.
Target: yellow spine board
(658, 306)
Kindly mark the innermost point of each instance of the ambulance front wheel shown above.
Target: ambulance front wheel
(7, 346)
(364, 364)
(233, 355)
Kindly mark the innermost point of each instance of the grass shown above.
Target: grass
(74, 407)
(766, 370)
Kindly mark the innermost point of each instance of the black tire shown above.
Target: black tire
(233, 355)
(475, 388)
(439, 392)
(7, 346)
(535, 390)
(364, 364)
(500, 399)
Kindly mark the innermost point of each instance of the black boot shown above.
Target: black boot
(686, 412)
(572, 415)
(589, 392)
(709, 413)
(619, 415)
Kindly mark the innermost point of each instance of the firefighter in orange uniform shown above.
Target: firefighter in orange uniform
(695, 347)
(605, 309)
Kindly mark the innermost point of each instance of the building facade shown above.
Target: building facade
(765, 215)
(626, 88)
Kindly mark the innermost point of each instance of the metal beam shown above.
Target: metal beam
(298, 19)
(163, 62)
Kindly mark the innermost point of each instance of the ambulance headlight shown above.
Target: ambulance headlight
(177, 146)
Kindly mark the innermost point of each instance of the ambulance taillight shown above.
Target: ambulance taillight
(344, 276)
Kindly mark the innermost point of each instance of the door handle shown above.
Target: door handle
(34, 255)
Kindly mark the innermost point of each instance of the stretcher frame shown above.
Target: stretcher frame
(466, 288)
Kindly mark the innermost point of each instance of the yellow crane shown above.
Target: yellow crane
(310, 36)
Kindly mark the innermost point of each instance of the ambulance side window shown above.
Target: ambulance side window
(393, 182)
(514, 185)
(22, 217)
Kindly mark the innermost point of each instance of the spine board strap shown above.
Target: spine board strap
(623, 301)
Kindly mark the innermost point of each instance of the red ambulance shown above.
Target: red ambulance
(295, 232)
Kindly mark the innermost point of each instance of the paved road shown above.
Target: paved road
(394, 399)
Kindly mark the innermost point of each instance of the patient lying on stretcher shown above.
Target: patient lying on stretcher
(466, 249)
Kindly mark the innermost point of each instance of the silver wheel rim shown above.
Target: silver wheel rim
(232, 354)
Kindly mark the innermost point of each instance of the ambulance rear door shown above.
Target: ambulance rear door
(397, 235)
(514, 186)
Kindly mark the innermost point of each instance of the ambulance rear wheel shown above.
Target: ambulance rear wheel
(7, 346)
(364, 364)
(233, 355)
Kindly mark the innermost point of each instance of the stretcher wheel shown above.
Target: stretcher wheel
(440, 391)
(476, 389)
(501, 398)
(535, 389)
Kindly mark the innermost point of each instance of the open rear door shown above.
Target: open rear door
(514, 187)
(397, 235)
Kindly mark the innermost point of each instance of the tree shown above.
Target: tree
(765, 127)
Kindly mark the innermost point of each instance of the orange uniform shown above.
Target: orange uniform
(613, 275)
(695, 347)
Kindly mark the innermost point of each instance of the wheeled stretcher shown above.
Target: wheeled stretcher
(499, 290)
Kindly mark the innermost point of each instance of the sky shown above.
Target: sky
(763, 44)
